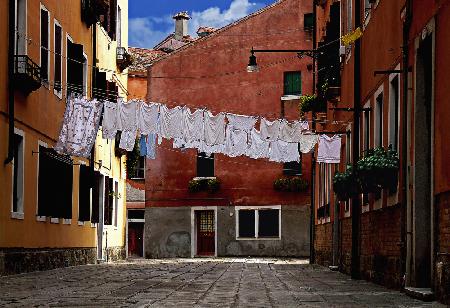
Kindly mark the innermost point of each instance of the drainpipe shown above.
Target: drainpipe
(356, 210)
(406, 236)
(93, 83)
(312, 222)
(11, 62)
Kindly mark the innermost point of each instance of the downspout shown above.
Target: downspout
(11, 63)
(312, 222)
(356, 210)
(406, 232)
(93, 83)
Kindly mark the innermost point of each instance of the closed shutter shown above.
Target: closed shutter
(84, 197)
(96, 197)
(44, 183)
(44, 44)
(292, 83)
(67, 183)
(112, 19)
(58, 57)
(100, 84)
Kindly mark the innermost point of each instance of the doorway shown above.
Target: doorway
(135, 239)
(205, 233)
(423, 165)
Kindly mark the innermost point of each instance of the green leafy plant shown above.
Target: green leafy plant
(295, 184)
(378, 169)
(211, 185)
(133, 159)
(315, 103)
(345, 184)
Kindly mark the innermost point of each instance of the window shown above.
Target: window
(325, 180)
(21, 26)
(366, 128)
(116, 202)
(394, 111)
(76, 71)
(349, 16)
(308, 22)
(85, 74)
(18, 174)
(258, 223)
(97, 197)
(58, 58)
(86, 185)
(292, 83)
(54, 192)
(205, 165)
(108, 201)
(109, 21)
(379, 120)
(292, 168)
(367, 8)
(119, 26)
(45, 43)
(139, 171)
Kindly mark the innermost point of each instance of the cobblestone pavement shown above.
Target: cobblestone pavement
(198, 283)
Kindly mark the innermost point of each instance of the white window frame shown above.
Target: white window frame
(378, 140)
(119, 26)
(366, 143)
(21, 34)
(85, 74)
(367, 12)
(67, 38)
(19, 214)
(116, 204)
(42, 7)
(39, 218)
(256, 209)
(391, 111)
(56, 23)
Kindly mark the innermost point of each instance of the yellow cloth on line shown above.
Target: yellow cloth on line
(351, 37)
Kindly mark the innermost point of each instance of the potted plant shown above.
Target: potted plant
(295, 184)
(345, 184)
(211, 185)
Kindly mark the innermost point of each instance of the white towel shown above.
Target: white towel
(148, 118)
(193, 130)
(241, 122)
(214, 128)
(329, 149)
(171, 122)
(283, 152)
(259, 148)
(308, 142)
(80, 127)
(269, 130)
(109, 123)
(292, 132)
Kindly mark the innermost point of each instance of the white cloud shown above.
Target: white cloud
(148, 31)
(213, 17)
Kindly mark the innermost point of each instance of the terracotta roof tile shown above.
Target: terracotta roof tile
(143, 57)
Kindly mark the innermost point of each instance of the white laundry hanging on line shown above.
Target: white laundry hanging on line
(329, 149)
(193, 129)
(110, 120)
(148, 118)
(308, 142)
(269, 130)
(171, 122)
(292, 132)
(80, 126)
(241, 122)
(236, 142)
(128, 112)
(214, 128)
(283, 152)
(259, 148)
(211, 149)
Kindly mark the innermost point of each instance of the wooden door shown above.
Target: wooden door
(205, 233)
(135, 239)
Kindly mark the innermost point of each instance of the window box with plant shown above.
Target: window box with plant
(294, 184)
(378, 169)
(210, 185)
(345, 184)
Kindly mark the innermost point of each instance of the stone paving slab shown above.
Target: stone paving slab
(218, 282)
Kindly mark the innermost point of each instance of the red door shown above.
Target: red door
(205, 233)
(135, 239)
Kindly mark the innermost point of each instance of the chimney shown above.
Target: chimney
(181, 25)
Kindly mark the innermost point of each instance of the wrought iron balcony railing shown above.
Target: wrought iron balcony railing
(27, 74)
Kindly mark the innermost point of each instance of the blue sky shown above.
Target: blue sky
(150, 21)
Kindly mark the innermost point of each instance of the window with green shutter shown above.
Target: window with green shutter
(308, 22)
(292, 83)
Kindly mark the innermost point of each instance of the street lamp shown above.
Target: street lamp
(252, 65)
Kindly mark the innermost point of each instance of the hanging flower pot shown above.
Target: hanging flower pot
(345, 184)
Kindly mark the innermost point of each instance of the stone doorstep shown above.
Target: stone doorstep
(423, 294)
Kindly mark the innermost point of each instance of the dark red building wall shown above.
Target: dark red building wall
(212, 73)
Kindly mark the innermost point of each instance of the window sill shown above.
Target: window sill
(275, 238)
(54, 220)
(204, 178)
(58, 94)
(93, 225)
(67, 221)
(17, 215)
(81, 223)
(41, 218)
(290, 97)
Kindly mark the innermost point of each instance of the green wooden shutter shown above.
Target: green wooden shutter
(292, 83)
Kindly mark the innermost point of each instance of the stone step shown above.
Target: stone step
(423, 294)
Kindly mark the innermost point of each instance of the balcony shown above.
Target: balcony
(27, 74)
(91, 10)
(123, 58)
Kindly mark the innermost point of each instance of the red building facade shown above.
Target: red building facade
(211, 72)
(403, 233)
